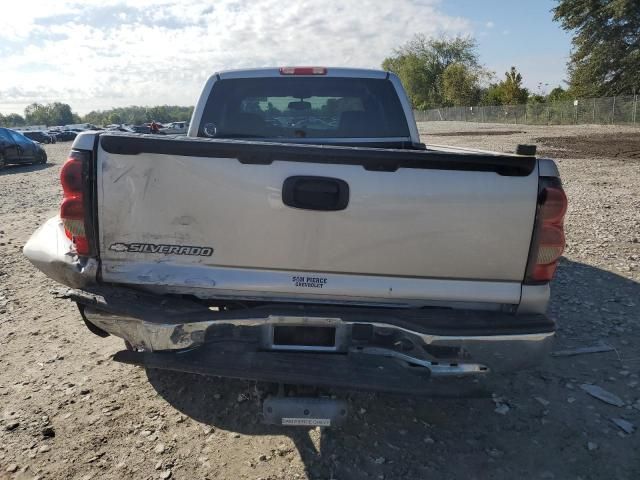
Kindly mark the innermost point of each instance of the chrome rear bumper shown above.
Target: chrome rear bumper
(444, 342)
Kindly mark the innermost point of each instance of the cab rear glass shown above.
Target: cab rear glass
(303, 107)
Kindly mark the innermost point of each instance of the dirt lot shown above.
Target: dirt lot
(68, 411)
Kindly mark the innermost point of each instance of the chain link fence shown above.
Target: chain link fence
(621, 110)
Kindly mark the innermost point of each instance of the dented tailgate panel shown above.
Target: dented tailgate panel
(220, 227)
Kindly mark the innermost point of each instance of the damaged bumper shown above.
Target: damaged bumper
(340, 346)
(53, 253)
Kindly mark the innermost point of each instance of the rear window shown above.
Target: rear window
(17, 137)
(303, 107)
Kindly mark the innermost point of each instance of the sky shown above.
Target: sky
(99, 54)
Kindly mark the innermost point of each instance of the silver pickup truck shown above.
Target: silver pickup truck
(301, 234)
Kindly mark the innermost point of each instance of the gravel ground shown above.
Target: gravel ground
(68, 411)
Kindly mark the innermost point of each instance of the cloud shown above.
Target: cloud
(103, 53)
(489, 24)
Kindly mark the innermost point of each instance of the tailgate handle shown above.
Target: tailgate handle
(315, 193)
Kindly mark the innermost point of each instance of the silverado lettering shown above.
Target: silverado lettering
(164, 249)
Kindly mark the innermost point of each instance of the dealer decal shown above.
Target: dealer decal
(308, 282)
(161, 248)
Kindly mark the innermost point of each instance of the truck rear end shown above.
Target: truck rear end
(301, 234)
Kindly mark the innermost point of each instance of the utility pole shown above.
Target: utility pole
(613, 110)
(548, 115)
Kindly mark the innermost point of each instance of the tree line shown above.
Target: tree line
(447, 72)
(605, 61)
(135, 115)
(50, 114)
(61, 114)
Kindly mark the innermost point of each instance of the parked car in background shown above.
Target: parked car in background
(81, 127)
(16, 148)
(121, 128)
(66, 135)
(175, 128)
(118, 128)
(39, 136)
(141, 128)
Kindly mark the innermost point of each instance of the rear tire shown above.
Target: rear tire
(2, 161)
(43, 158)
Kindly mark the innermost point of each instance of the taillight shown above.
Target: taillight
(71, 174)
(75, 201)
(303, 71)
(548, 240)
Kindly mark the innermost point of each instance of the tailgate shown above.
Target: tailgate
(209, 217)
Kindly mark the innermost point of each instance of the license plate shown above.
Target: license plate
(307, 422)
(304, 411)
